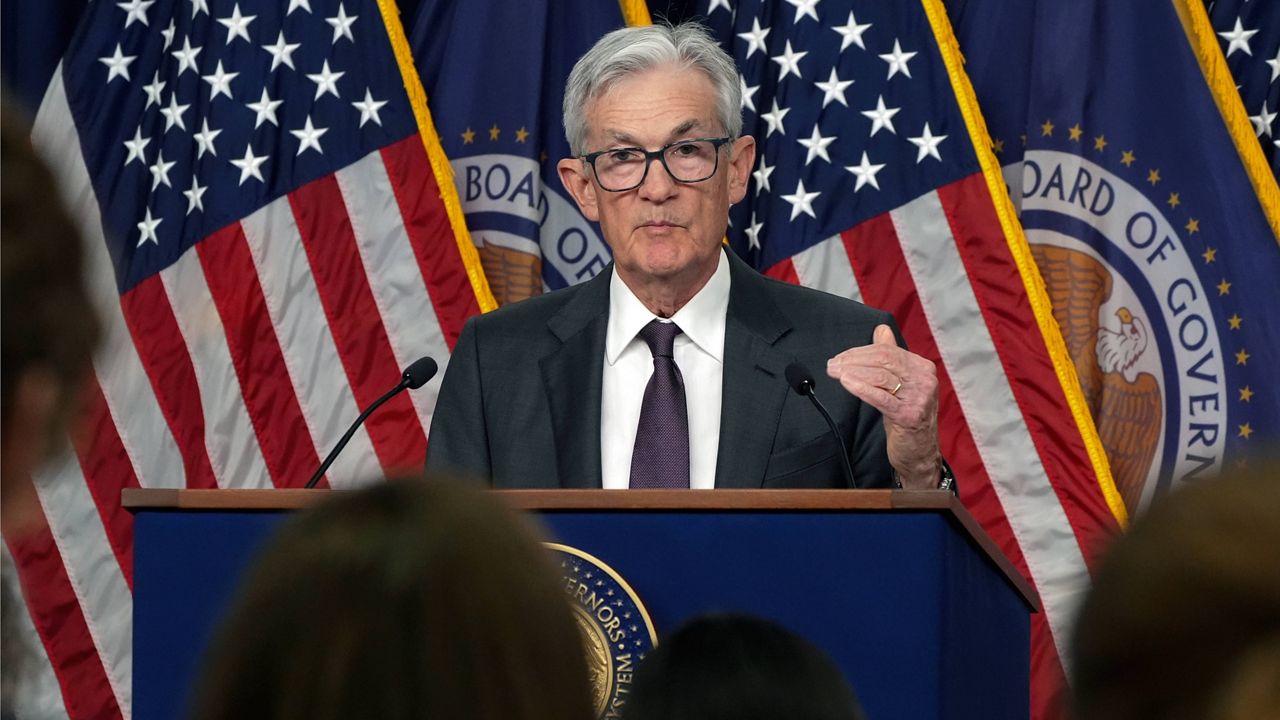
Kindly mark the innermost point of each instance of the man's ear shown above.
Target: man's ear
(573, 173)
(741, 160)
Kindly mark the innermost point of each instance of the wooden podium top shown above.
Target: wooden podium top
(142, 499)
(295, 498)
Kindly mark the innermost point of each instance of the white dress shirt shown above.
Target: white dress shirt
(628, 364)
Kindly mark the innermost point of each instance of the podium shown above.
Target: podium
(915, 603)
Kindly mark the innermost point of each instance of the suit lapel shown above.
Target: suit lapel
(754, 388)
(571, 378)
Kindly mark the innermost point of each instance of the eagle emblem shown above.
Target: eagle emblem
(512, 274)
(1125, 402)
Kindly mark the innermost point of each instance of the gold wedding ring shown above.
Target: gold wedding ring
(896, 388)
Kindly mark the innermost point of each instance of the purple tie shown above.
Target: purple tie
(661, 456)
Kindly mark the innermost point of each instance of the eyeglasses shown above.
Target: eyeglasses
(686, 161)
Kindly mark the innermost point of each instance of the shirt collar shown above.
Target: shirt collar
(702, 319)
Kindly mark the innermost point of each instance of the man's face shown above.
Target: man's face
(663, 231)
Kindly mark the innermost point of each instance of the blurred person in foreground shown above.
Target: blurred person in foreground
(736, 667)
(408, 599)
(49, 333)
(1183, 620)
(49, 327)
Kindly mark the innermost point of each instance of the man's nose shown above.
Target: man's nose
(658, 184)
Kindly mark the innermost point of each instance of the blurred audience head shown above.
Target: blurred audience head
(48, 332)
(407, 599)
(1183, 620)
(734, 667)
(1252, 692)
(48, 325)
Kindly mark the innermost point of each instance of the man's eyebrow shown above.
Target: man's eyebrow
(683, 129)
(623, 138)
(675, 134)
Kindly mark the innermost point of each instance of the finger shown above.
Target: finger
(874, 395)
(907, 366)
(879, 377)
(882, 356)
(884, 336)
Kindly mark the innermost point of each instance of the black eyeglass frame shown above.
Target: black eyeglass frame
(661, 156)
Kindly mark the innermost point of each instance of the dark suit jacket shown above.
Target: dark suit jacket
(520, 402)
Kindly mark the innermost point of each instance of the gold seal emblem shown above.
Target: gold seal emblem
(616, 629)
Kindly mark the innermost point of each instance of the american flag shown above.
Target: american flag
(1249, 32)
(273, 235)
(876, 181)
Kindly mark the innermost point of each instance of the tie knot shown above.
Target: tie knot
(660, 337)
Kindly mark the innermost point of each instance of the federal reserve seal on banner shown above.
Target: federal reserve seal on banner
(617, 632)
(1136, 315)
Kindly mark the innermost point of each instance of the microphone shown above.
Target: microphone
(801, 380)
(414, 377)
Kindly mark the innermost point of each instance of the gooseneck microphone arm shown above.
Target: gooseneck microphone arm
(801, 380)
(414, 377)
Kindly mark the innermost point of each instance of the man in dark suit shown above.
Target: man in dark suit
(666, 370)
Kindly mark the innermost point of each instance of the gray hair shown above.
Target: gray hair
(632, 50)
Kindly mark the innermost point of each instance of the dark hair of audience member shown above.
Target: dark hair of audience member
(48, 326)
(735, 667)
(1183, 620)
(408, 599)
(48, 331)
(1252, 688)
(47, 321)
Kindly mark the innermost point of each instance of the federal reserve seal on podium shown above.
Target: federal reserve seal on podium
(617, 632)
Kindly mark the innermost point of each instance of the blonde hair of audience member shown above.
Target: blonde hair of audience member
(407, 599)
(1183, 620)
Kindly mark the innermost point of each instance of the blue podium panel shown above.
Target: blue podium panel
(920, 620)
(921, 623)
(186, 569)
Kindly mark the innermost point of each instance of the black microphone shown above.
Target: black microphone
(801, 380)
(414, 377)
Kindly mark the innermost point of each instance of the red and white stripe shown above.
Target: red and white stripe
(394, 280)
(229, 438)
(36, 689)
(942, 266)
(826, 266)
(240, 365)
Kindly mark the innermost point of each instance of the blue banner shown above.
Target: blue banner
(494, 73)
(1157, 245)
